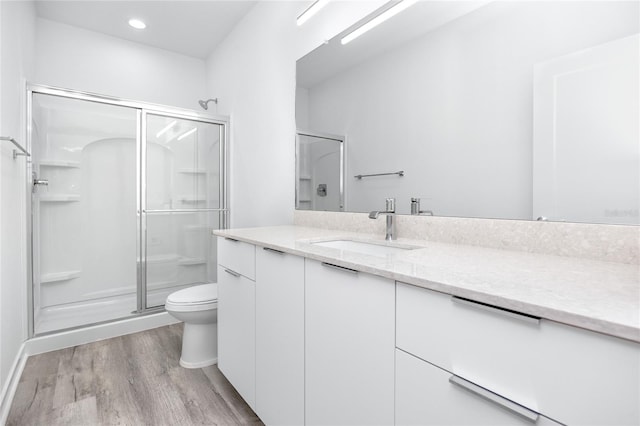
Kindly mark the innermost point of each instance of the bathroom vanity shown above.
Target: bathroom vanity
(426, 333)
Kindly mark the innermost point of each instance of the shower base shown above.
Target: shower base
(61, 317)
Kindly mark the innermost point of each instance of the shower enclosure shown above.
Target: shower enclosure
(124, 198)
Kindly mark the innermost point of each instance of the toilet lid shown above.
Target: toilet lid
(205, 293)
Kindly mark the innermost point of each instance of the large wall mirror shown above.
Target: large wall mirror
(501, 109)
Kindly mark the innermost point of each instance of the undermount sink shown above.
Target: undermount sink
(363, 247)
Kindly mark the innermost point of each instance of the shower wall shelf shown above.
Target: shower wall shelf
(163, 258)
(190, 261)
(197, 228)
(192, 200)
(193, 171)
(53, 277)
(60, 163)
(59, 198)
(305, 177)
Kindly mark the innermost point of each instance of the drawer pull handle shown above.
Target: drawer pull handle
(231, 239)
(497, 310)
(272, 250)
(516, 408)
(235, 274)
(340, 268)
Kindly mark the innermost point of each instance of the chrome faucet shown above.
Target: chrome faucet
(390, 212)
(415, 208)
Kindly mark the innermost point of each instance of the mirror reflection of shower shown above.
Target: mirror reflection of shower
(319, 171)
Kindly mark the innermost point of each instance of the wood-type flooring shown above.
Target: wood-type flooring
(128, 380)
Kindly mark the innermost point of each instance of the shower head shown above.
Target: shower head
(205, 104)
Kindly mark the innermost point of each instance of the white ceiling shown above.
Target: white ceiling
(193, 28)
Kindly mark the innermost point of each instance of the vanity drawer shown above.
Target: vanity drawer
(583, 377)
(482, 344)
(572, 375)
(428, 395)
(237, 256)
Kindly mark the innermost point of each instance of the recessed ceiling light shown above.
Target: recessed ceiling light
(137, 24)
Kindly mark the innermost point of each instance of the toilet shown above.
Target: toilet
(197, 307)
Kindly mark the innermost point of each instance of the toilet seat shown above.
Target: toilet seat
(196, 298)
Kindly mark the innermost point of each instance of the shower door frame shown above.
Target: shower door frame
(142, 110)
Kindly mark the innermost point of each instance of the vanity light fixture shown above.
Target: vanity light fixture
(184, 135)
(310, 11)
(166, 129)
(137, 24)
(390, 12)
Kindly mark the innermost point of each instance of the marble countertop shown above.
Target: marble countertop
(594, 295)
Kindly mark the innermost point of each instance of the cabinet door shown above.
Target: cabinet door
(236, 332)
(279, 337)
(425, 396)
(349, 347)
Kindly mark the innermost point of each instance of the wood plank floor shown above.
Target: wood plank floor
(127, 380)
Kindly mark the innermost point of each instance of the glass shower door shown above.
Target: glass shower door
(182, 205)
(83, 211)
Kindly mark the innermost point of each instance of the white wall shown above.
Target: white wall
(17, 23)
(75, 58)
(252, 72)
(458, 104)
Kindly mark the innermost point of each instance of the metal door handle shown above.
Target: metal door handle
(514, 407)
(497, 310)
(272, 250)
(235, 274)
(339, 268)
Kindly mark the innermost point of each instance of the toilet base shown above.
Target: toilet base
(202, 364)
(199, 345)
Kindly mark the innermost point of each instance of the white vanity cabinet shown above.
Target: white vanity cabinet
(349, 347)
(567, 374)
(306, 342)
(236, 316)
(279, 337)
